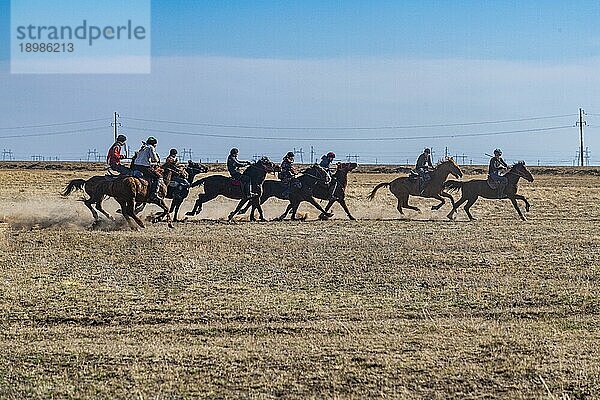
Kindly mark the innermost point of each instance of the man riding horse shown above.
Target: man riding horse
(325, 163)
(497, 171)
(114, 157)
(233, 166)
(145, 161)
(288, 174)
(422, 169)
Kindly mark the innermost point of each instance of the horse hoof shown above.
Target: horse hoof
(170, 225)
(190, 213)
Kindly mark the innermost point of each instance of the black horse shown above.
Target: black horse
(320, 191)
(472, 189)
(179, 187)
(216, 185)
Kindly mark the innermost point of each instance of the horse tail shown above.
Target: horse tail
(453, 186)
(198, 182)
(75, 184)
(371, 196)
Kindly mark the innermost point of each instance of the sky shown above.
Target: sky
(234, 73)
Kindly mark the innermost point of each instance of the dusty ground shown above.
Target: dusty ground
(418, 307)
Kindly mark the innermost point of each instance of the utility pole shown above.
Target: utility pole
(581, 123)
(349, 158)
(187, 153)
(301, 152)
(446, 153)
(312, 155)
(7, 154)
(116, 124)
(587, 156)
(93, 154)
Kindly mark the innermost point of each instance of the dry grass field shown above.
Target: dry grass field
(412, 307)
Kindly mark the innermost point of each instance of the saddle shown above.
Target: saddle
(493, 184)
(235, 182)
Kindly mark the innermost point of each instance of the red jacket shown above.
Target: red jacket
(114, 155)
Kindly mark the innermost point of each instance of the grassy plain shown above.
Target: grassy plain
(417, 307)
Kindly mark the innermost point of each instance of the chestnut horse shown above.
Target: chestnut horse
(404, 187)
(472, 189)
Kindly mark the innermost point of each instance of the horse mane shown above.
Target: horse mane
(443, 160)
(520, 162)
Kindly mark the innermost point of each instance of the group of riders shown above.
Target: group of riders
(146, 161)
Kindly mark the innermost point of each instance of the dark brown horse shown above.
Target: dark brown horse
(127, 191)
(404, 187)
(278, 188)
(219, 185)
(472, 189)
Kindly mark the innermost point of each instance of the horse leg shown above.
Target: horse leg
(327, 207)
(175, 204)
(99, 208)
(470, 202)
(318, 207)
(128, 212)
(399, 207)
(287, 210)
(516, 206)
(438, 197)
(89, 203)
(405, 201)
(521, 197)
(455, 207)
(345, 207)
(447, 195)
(202, 198)
(237, 209)
(165, 212)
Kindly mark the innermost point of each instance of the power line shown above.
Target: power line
(246, 126)
(51, 133)
(55, 124)
(458, 135)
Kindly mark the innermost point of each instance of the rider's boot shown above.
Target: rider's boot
(153, 196)
(246, 191)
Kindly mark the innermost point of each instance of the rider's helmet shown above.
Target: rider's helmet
(331, 155)
(497, 152)
(151, 140)
(427, 150)
(234, 152)
(173, 152)
(290, 154)
(121, 138)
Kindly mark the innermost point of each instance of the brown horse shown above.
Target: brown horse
(125, 190)
(404, 187)
(472, 189)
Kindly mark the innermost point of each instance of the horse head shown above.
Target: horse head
(196, 168)
(346, 167)
(521, 170)
(451, 166)
(267, 165)
(317, 172)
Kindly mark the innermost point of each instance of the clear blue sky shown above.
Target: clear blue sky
(332, 63)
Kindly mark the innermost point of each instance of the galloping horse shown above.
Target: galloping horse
(308, 182)
(472, 189)
(126, 191)
(278, 188)
(178, 189)
(216, 185)
(403, 187)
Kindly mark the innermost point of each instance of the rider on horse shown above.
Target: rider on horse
(325, 163)
(288, 173)
(233, 166)
(145, 161)
(423, 169)
(114, 157)
(497, 165)
(172, 164)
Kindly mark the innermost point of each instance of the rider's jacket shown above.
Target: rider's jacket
(147, 156)
(325, 162)
(287, 170)
(233, 165)
(496, 164)
(424, 161)
(114, 154)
